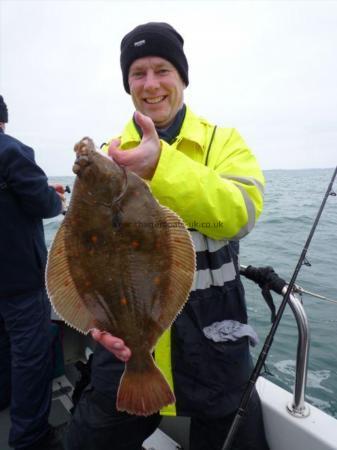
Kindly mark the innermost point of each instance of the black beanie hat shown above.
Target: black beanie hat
(3, 111)
(153, 39)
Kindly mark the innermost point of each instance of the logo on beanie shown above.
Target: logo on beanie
(139, 43)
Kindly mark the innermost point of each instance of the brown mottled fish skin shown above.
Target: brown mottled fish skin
(122, 263)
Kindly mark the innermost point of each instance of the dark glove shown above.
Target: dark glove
(268, 280)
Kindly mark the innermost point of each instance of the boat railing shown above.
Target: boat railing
(297, 407)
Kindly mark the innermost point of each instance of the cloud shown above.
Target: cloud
(266, 68)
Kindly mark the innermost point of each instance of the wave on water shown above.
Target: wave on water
(317, 392)
(323, 405)
(315, 378)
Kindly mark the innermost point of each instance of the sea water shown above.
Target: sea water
(292, 200)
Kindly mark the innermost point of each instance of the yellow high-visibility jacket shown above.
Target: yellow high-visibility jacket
(214, 183)
(221, 200)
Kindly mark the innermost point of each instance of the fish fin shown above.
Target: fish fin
(183, 264)
(143, 392)
(61, 288)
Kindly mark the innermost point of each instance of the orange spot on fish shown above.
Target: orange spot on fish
(123, 301)
(137, 193)
(135, 244)
(156, 280)
(94, 239)
(87, 283)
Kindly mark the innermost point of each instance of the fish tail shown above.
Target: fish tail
(143, 392)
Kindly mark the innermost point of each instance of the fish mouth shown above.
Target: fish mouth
(83, 149)
(81, 163)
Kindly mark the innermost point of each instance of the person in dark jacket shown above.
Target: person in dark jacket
(208, 176)
(25, 356)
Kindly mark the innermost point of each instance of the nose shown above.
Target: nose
(151, 81)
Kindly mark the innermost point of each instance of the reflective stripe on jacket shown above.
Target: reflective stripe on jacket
(219, 203)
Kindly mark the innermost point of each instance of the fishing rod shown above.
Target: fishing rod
(296, 289)
(269, 339)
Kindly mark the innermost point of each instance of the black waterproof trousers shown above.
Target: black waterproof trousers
(210, 434)
(96, 425)
(26, 366)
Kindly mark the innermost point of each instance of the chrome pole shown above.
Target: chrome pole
(298, 407)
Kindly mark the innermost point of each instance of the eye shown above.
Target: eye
(163, 71)
(137, 74)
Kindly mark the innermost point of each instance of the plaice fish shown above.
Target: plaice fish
(122, 263)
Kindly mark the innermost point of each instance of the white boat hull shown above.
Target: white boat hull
(318, 431)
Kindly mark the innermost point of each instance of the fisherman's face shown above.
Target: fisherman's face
(156, 88)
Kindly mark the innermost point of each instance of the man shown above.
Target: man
(25, 358)
(211, 179)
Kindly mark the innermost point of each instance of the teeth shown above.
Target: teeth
(155, 99)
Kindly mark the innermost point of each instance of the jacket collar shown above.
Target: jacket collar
(192, 130)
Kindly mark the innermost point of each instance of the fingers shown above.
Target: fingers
(62, 197)
(113, 344)
(114, 145)
(58, 188)
(119, 156)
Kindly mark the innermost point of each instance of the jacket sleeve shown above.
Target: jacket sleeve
(221, 200)
(27, 181)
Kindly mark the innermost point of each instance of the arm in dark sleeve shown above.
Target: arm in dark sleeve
(27, 181)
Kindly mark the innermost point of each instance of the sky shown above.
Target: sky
(266, 68)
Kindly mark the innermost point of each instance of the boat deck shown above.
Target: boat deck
(75, 348)
(60, 414)
(316, 431)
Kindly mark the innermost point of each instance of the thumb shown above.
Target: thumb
(146, 124)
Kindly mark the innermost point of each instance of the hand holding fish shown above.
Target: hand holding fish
(144, 158)
(113, 344)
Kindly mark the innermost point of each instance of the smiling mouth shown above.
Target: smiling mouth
(155, 100)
